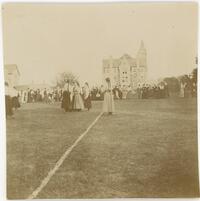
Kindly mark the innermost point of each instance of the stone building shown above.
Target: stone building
(126, 70)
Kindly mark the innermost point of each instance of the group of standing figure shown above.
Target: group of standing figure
(153, 91)
(76, 98)
(73, 99)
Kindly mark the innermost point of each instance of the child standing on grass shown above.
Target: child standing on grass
(108, 103)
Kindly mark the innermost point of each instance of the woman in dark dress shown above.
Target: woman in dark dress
(66, 102)
(8, 101)
(15, 99)
(87, 97)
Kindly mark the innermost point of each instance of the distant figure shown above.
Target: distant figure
(144, 92)
(45, 96)
(139, 92)
(77, 99)
(162, 90)
(120, 92)
(108, 103)
(166, 88)
(182, 90)
(188, 90)
(115, 92)
(15, 99)
(29, 96)
(194, 89)
(87, 96)
(8, 101)
(124, 92)
(66, 100)
(101, 92)
(129, 93)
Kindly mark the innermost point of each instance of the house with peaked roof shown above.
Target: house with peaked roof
(11, 74)
(126, 70)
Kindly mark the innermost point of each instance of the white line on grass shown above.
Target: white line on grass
(60, 161)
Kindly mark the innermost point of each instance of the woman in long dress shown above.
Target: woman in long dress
(108, 103)
(77, 100)
(124, 92)
(15, 98)
(8, 101)
(66, 101)
(87, 97)
(182, 90)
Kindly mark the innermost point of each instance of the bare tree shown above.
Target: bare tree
(65, 77)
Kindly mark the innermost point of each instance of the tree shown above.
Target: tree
(173, 84)
(65, 77)
(184, 79)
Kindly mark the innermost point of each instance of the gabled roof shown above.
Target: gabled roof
(116, 62)
(126, 56)
(11, 68)
(106, 62)
(131, 60)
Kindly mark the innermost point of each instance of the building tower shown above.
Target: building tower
(141, 64)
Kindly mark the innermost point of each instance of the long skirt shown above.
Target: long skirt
(108, 103)
(88, 103)
(15, 102)
(66, 102)
(78, 102)
(124, 94)
(181, 93)
(8, 101)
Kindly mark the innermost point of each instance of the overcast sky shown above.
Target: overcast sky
(45, 39)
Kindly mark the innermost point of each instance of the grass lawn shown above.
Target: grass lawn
(147, 149)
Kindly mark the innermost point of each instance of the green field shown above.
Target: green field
(147, 149)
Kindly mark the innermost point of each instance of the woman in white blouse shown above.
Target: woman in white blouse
(108, 103)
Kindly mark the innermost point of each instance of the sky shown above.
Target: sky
(44, 40)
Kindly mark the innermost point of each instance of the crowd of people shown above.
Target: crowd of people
(73, 97)
(147, 91)
(143, 91)
(156, 91)
(40, 95)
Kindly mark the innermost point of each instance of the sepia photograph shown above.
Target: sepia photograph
(101, 100)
